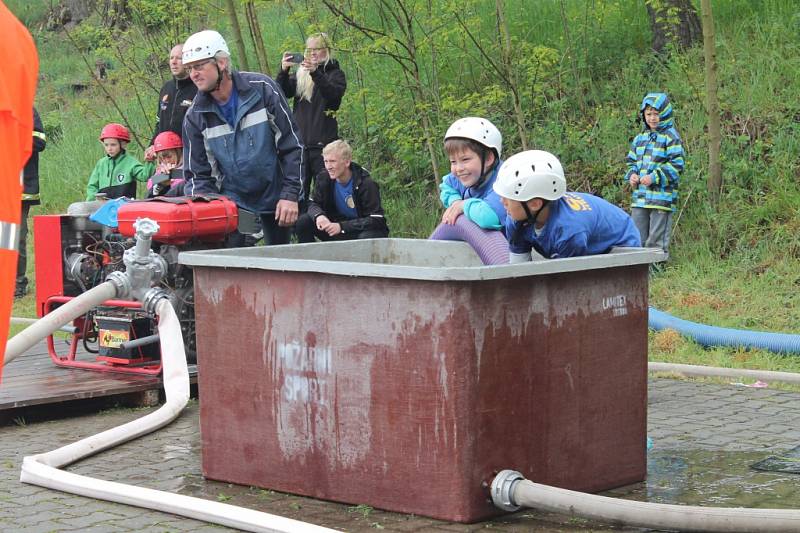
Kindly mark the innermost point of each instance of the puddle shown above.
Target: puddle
(677, 476)
(713, 478)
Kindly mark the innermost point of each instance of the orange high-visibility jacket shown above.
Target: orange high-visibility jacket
(17, 89)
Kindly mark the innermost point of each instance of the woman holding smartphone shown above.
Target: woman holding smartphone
(317, 86)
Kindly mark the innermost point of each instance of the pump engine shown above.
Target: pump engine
(74, 254)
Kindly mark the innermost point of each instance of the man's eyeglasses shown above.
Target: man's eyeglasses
(198, 66)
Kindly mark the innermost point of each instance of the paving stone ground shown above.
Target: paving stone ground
(701, 431)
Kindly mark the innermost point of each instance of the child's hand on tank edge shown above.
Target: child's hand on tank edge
(455, 210)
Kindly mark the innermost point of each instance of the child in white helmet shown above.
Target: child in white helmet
(473, 211)
(543, 217)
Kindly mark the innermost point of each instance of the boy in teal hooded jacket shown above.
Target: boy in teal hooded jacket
(655, 161)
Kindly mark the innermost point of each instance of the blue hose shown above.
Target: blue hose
(716, 336)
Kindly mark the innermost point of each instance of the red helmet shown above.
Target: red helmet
(166, 140)
(115, 131)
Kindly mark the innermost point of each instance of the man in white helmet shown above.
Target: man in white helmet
(543, 217)
(240, 139)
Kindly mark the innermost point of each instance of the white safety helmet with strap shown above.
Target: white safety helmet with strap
(203, 45)
(480, 130)
(531, 174)
(483, 132)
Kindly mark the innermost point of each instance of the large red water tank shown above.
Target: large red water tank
(437, 371)
(183, 218)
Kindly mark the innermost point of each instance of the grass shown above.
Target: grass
(362, 509)
(732, 266)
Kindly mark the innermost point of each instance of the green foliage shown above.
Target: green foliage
(88, 38)
(30, 13)
(582, 73)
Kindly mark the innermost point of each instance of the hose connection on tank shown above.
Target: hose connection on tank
(503, 489)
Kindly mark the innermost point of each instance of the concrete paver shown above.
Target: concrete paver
(698, 429)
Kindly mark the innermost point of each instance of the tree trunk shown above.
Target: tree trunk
(573, 61)
(674, 21)
(505, 41)
(712, 104)
(255, 36)
(237, 34)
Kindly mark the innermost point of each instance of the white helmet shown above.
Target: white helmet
(479, 130)
(531, 174)
(203, 45)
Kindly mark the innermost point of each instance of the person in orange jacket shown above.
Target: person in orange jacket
(20, 70)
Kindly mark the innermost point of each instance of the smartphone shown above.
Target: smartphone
(297, 58)
(248, 222)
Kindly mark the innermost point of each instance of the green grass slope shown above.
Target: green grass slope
(733, 265)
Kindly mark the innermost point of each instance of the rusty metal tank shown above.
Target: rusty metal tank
(402, 374)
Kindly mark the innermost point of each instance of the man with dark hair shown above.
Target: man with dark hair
(175, 98)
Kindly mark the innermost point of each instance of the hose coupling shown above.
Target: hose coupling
(503, 489)
(152, 298)
(121, 282)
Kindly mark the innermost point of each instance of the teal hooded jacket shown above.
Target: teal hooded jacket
(659, 153)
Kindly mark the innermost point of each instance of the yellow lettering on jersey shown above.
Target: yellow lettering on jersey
(576, 203)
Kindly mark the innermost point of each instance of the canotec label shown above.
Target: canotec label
(618, 304)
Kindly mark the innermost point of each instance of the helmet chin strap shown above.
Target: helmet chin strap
(219, 77)
(533, 217)
(484, 171)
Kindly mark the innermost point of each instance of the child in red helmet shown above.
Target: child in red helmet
(116, 174)
(168, 178)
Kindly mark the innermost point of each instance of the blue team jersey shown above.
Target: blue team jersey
(343, 198)
(579, 224)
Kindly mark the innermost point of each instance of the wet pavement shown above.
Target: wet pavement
(705, 438)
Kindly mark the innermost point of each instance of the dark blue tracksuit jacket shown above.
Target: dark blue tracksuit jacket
(257, 160)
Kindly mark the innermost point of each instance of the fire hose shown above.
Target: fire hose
(44, 469)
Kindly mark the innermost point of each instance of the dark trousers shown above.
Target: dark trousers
(306, 229)
(313, 164)
(22, 261)
(273, 234)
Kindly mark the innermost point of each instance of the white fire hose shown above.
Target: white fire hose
(511, 491)
(44, 469)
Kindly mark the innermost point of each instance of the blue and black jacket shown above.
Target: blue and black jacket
(481, 204)
(255, 162)
(659, 153)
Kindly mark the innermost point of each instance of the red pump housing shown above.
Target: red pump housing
(182, 218)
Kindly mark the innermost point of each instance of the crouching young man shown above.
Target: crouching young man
(345, 203)
(544, 217)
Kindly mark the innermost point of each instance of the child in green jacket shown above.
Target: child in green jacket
(116, 174)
